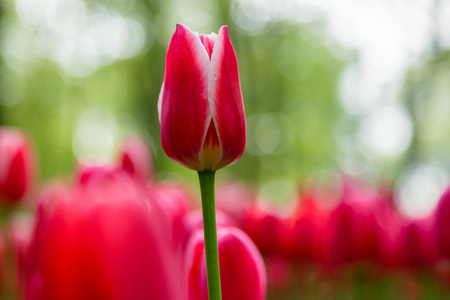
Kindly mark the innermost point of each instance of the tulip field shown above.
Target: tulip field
(224, 150)
(114, 232)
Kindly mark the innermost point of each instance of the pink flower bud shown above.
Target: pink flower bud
(200, 106)
(442, 224)
(242, 271)
(103, 240)
(16, 165)
(136, 159)
(175, 200)
(267, 229)
(416, 244)
(354, 233)
(307, 240)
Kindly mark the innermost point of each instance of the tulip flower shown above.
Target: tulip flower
(242, 271)
(200, 105)
(416, 244)
(136, 159)
(175, 200)
(201, 112)
(442, 224)
(353, 233)
(266, 229)
(307, 238)
(16, 165)
(104, 240)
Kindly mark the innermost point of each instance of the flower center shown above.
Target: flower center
(211, 147)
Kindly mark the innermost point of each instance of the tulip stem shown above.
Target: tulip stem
(206, 179)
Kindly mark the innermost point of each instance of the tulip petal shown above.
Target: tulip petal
(185, 111)
(208, 41)
(225, 96)
(160, 102)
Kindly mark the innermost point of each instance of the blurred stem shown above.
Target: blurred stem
(206, 179)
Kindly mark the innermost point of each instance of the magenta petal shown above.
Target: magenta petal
(242, 271)
(184, 107)
(224, 91)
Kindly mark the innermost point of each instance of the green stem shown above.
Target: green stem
(206, 179)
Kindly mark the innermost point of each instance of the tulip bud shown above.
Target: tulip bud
(416, 244)
(242, 270)
(354, 233)
(442, 224)
(267, 229)
(104, 240)
(175, 201)
(136, 159)
(307, 232)
(200, 105)
(16, 165)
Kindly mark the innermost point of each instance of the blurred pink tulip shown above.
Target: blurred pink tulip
(353, 230)
(200, 105)
(416, 244)
(176, 200)
(267, 229)
(136, 159)
(442, 224)
(307, 239)
(242, 270)
(16, 165)
(104, 240)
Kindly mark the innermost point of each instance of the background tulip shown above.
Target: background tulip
(242, 271)
(16, 165)
(442, 224)
(136, 159)
(106, 240)
(417, 244)
(200, 105)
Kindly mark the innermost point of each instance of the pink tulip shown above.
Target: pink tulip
(307, 240)
(87, 174)
(175, 200)
(200, 106)
(104, 240)
(242, 271)
(136, 159)
(416, 244)
(442, 224)
(16, 165)
(353, 230)
(267, 229)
